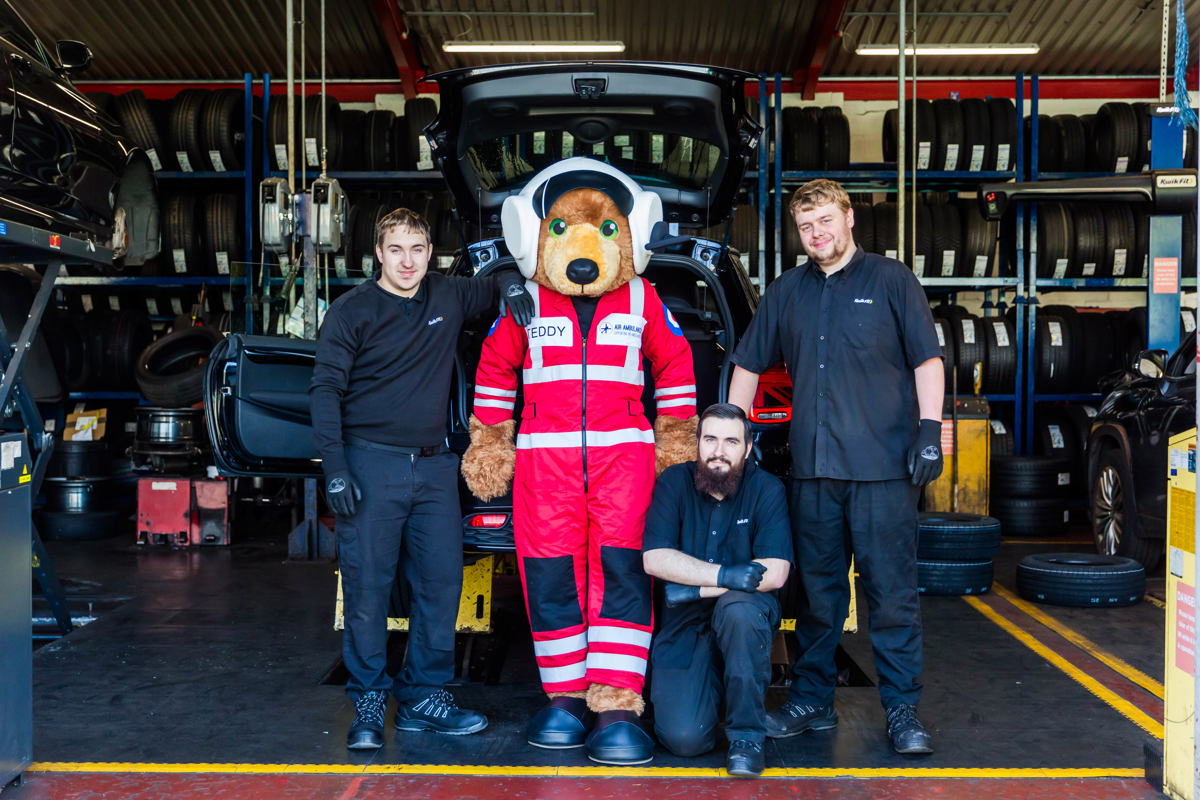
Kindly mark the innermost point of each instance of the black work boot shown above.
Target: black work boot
(563, 724)
(618, 738)
(366, 732)
(907, 733)
(745, 759)
(793, 718)
(439, 713)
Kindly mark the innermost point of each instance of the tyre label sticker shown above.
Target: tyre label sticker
(568, 145)
(976, 157)
(951, 157)
(998, 427)
(539, 143)
(179, 258)
(890, 253)
(941, 336)
(222, 262)
(424, 154)
(217, 162)
(86, 301)
(152, 154)
(1089, 269)
(114, 303)
(598, 149)
(621, 140)
(919, 267)
(948, 259)
(1064, 479)
(1060, 268)
(281, 156)
(1001, 333)
(176, 306)
(1002, 157)
(163, 486)
(185, 163)
(968, 331)
(656, 148)
(1189, 320)
(981, 266)
(1120, 258)
(1122, 164)
(339, 266)
(152, 306)
(368, 265)
(1056, 437)
(1056, 337)
(924, 149)
(310, 151)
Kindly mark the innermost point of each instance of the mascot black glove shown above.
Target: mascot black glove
(515, 299)
(342, 492)
(741, 577)
(676, 594)
(925, 455)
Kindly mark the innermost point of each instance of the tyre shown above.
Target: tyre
(1073, 143)
(223, 233)
(1030, 476)
(135, 116)
(947, 240)
(322, 132)
(1000, 361)
(1055, 240)
(1112, 506)
(377, 140)
(949, 343)
(1053, 366)
(182, 244)
(977, 137)
(1049, 144)
(1002, 154)
(923, 146)
(1115, 138)
(835, 139)
(185, 152)
(864, 227)
(954, 578)
(947, 116)
(1001, 440)
(170, 372)
(886, 231)
(978, 242)
(947, 536)
(1082, 580)
(1030, 516)
(418, 113)
(223, 130)
(1120, 231)
(1088, 259)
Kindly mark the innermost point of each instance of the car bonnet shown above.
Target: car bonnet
(679, 130)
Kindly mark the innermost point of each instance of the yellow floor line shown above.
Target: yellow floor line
(1118, 703)
(1111, 661)
(1154, 601)
(580, 772)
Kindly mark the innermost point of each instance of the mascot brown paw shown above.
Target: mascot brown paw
(563, 724)
(488, 464)
(617, 737)
(674, 441)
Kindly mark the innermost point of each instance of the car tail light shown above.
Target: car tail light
(488, 520)
(773, 398)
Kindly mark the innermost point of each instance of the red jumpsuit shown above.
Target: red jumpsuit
(585, 472)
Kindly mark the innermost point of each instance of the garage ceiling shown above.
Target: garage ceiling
(802, 39)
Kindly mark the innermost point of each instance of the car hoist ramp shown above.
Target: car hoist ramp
(474, 604)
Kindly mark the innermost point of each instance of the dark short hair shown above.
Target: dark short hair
(725, 411)
(401, 218)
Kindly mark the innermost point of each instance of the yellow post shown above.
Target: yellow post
(1180, 678)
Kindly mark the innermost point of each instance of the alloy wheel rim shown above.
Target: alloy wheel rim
(1109, 527)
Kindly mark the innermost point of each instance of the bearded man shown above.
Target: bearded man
(717, 535)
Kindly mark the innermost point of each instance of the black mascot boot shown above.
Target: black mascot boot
(561, 725)
(618, 738)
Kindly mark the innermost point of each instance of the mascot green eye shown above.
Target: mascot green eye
(558, 227)
(608, 229)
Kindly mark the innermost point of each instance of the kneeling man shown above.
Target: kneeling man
(717, 533)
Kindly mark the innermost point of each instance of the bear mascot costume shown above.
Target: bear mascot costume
(583, 464)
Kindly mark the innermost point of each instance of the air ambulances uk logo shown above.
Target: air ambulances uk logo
(549, 332)
(620, 329)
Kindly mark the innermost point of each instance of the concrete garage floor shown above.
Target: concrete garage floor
(208, 683)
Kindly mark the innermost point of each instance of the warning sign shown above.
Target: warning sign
(1166, 276)
(1185, 628)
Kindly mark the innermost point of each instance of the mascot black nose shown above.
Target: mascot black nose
(582, 271)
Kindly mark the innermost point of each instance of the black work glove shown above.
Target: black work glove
(342, 492)
(925, 455)
(676, 594)
(516, 299)
(741, 577)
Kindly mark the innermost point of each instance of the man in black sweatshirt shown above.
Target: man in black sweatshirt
(379, 394)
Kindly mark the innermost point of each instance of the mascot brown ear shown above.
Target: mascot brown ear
(522, 214)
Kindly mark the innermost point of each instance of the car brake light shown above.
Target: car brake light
(773, 398)
(488, 520)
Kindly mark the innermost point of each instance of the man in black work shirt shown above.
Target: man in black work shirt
(856, 334)
(717, 533)
(379, 395)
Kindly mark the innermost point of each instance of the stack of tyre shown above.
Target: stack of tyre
(1030, 494)
(815, 139)
(954, 553)
(1091, 240)
(968, 135)
(77, 490)
(373, 141)
(1114, 139)
(972, 346)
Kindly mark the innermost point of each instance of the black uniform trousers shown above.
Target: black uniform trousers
(721, 651)
(409, 510)
(876, 522)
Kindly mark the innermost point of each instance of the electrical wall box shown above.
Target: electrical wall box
(327, 222)
(275, 216)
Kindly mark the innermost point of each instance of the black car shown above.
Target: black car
(1127, 451)
(64, 164)
(678, 130)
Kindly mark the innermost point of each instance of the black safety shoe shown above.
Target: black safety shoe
(366, 732)
(792, 718)
(565, 723)
(618, 738)
(745, 759)
(439, 713)
(907, 733)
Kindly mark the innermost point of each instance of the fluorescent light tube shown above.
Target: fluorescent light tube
(949, 50)
(532, 47)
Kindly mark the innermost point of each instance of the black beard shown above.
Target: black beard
(714, 482)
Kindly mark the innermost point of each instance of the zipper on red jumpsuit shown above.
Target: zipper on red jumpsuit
(583, 421)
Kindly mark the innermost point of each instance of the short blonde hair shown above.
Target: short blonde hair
(401, 218)
(817, 193)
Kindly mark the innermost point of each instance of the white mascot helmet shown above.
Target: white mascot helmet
(522, 214)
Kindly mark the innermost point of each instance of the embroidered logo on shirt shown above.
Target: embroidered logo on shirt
(621, 329)
(866, 300)
(435, 321)
(745, 521)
